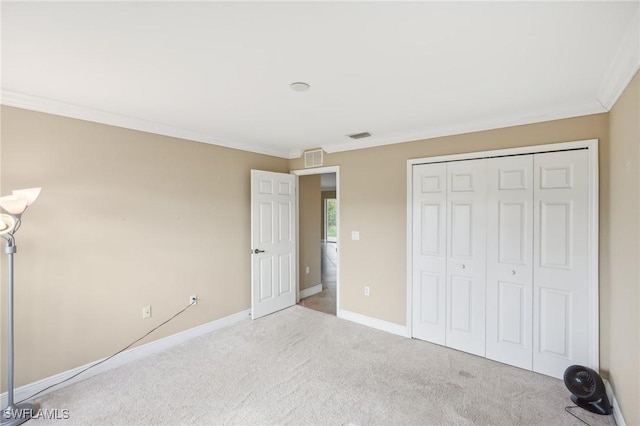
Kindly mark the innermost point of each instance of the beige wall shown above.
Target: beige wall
(620, 252)
(309, 230)
(125, 219)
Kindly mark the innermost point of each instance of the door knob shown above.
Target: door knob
(256, 251)
(463, 266)
(513, 272)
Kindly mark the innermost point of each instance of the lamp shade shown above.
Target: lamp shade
(7, 223)
(30, 193)
(14, 204)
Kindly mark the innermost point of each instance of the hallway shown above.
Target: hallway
(325, 301)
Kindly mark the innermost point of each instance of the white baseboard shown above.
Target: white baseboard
(128, 356)
(389, 327)
(617, 414)
(310, 291)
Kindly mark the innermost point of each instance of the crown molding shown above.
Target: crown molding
(625, 64)
(34, 103)
(49, 106)
(560, 113)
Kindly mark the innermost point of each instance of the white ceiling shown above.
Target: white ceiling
(220, 72)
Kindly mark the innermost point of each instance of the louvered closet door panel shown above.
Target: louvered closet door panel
(465, 316)
(510, 260)
(561, 218)
(429, 252)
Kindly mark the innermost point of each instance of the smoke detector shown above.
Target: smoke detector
(299, 86)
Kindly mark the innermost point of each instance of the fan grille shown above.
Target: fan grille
(581, 381)
(584, 382)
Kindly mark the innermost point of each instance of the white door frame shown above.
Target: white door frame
(318, 171)
(593, 284)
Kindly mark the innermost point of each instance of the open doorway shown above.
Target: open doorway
(318, 237)
(329, 246)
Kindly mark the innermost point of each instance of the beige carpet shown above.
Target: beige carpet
(302, 367)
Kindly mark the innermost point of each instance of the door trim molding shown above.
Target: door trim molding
(318, 171)
(593, 285)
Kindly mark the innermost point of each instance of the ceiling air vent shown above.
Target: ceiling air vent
(360, 135)
(313, 158)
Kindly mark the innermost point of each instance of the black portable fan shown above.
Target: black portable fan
(588, 389)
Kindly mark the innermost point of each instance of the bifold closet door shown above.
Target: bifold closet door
(561, 244)
(500, 251)
(510, 260)
(465, 270)
(449, 254)
(429, 255)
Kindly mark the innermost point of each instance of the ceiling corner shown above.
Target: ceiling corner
(625, 64)
(294, 153)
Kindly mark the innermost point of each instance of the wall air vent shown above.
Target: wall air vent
(360, 135)
(313, 158)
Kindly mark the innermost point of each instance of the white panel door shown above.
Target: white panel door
(561, 218)
(273, 277)
(465, 316)
(429, 252)
(510, 260)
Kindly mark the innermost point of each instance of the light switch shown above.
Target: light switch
(355, 235)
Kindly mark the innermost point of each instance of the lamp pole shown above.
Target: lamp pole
(14, 414)
(15, 204)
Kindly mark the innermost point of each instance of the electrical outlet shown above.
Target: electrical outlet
(307, 270)
(193, 300)
(146, 312)
(367, 290)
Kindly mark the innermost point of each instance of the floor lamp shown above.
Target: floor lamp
(14, 414)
